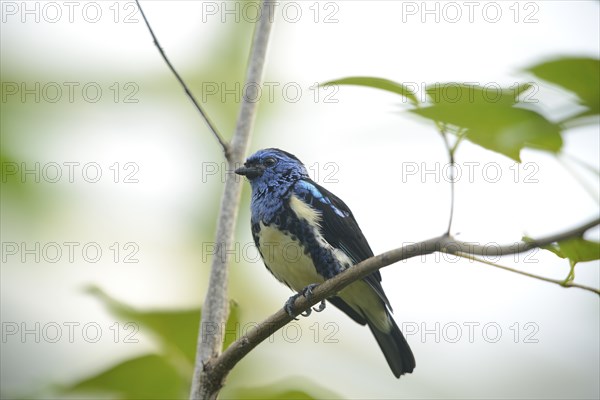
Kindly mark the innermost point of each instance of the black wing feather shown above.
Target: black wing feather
(340, 229)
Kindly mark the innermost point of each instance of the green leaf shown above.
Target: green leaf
(176, 330)
(154, 376)
(579, 250)
(492, 118)
(576, 249)
(460, 93)
(146, 377)
(377, 83)
(578, 75)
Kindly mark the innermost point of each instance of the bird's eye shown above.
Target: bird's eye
(270, 161)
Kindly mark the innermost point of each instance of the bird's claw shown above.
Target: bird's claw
(306, 292)
(321, 306)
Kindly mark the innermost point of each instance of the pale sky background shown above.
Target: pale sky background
(364, 138)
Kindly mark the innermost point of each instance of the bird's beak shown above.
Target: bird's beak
(250, 172)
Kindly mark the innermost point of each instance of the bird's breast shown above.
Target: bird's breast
(286, 257)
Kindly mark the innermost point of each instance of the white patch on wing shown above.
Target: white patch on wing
(304, 211)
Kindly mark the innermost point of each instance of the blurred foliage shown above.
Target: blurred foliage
(167, 375)
(145, 377)
(164, 375)
(495, 125)
(11, 178)
(502, 119)
(282, 390)
(580, 76)
(379, 83)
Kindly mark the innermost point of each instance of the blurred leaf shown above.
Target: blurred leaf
(30, 195)
(377, 83)
(11, 176)
(175, 329)
(578, 75)
(492, 118)
(146, 377)
(164, 376)
(455, 93)
(297, 388)
(505, 130)
(266, 394)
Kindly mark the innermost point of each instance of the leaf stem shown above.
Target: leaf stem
(450, 151)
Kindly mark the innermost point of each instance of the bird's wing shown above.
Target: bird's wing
(340, 229)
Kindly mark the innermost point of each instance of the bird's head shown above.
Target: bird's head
(272, 166)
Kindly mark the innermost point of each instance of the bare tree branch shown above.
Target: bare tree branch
(209, 123)
(216, 304)
(220, 367)
(494, 250)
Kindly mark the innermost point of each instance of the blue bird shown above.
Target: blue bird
(306, 235)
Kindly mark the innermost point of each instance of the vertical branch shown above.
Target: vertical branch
(216, 305)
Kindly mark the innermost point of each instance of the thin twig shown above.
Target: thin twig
(209, 123)
(563, 283)
(581, 163)
(205, 383)
(591, 191)
(452, 164)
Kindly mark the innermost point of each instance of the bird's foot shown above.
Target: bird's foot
(289, 305)
(306, 292)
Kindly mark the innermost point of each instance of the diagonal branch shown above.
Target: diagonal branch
(494, 250)
(211, 126)
(220, 367)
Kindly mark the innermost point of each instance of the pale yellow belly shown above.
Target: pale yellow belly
(286, 259)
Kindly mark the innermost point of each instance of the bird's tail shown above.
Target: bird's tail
(396, 350)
